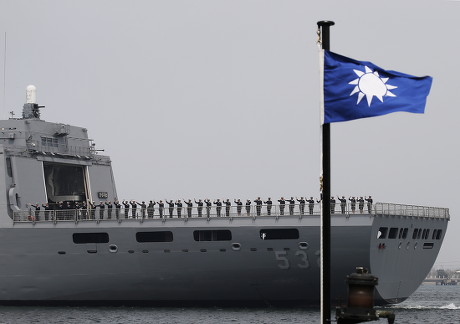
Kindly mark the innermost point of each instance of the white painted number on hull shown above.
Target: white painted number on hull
(301, 258)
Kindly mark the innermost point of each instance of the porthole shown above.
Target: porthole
(399, 246)
(236, 246)
(303, 245)
(113, 248)
(415, 245)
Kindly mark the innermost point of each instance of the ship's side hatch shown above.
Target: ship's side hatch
(64, 182)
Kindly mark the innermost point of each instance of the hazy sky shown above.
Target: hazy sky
(220, 99)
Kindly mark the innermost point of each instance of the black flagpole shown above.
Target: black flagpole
(323, 26)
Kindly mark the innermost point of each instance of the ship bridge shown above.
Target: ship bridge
(46, 162)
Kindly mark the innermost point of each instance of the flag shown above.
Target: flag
(357, 89)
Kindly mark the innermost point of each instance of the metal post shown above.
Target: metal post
(326, 206)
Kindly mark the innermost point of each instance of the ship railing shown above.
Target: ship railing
(300, 210)
(410, 210)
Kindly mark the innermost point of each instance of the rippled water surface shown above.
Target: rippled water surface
(429, 304)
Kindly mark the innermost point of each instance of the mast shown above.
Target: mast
(323, 27)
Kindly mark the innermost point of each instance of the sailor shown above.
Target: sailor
(291, 205)
(282, 205)
(161, 206)
(239, 206)
(343, 203)
(126, 204)
(92, 206)
(228, 205)
(47, 210)
(208, 207)
(369, 204)
(84, 210)
(301, 205)
(133, 208)
(352, 204)
(311, 205)
(218, 204)
(332, 202)
(258, 202)
(248, 207)
(109, 209)
(269, 204)
(199, 203)
(361, 204)
(101, 210)
(117, 208)
(179, 208)
(189, 204)
(77, 209)
(151, 208)
(37, 211)
(143, 208)
(171, 207)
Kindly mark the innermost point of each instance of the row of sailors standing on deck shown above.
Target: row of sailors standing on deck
(353, 201)
(206, 205)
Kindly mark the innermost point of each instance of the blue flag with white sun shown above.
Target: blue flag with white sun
(356, 89)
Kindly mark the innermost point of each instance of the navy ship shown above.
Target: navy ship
(67, 251)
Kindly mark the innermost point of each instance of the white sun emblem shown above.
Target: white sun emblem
(370, 84)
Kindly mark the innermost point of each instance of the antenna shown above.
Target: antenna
(4, 76)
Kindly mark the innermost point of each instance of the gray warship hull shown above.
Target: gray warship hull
(267, 254)
(43, 263)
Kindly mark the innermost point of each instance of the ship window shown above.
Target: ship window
(435, 232)
(439, 234)
(212, 235)
(49, 141)
(393, 233)
(415, 234)
(382, 233)
(419, 235)
(404, 236)
(82, 238)
(160, 236)
(427, 234)
(279, 234)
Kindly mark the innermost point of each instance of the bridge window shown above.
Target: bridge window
(83, 238)
(212, 235)
(159, 236)
(279, 234)
(49, 141)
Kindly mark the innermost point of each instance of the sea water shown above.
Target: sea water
(429, 304)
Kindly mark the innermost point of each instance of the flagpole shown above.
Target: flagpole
(325, 251)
